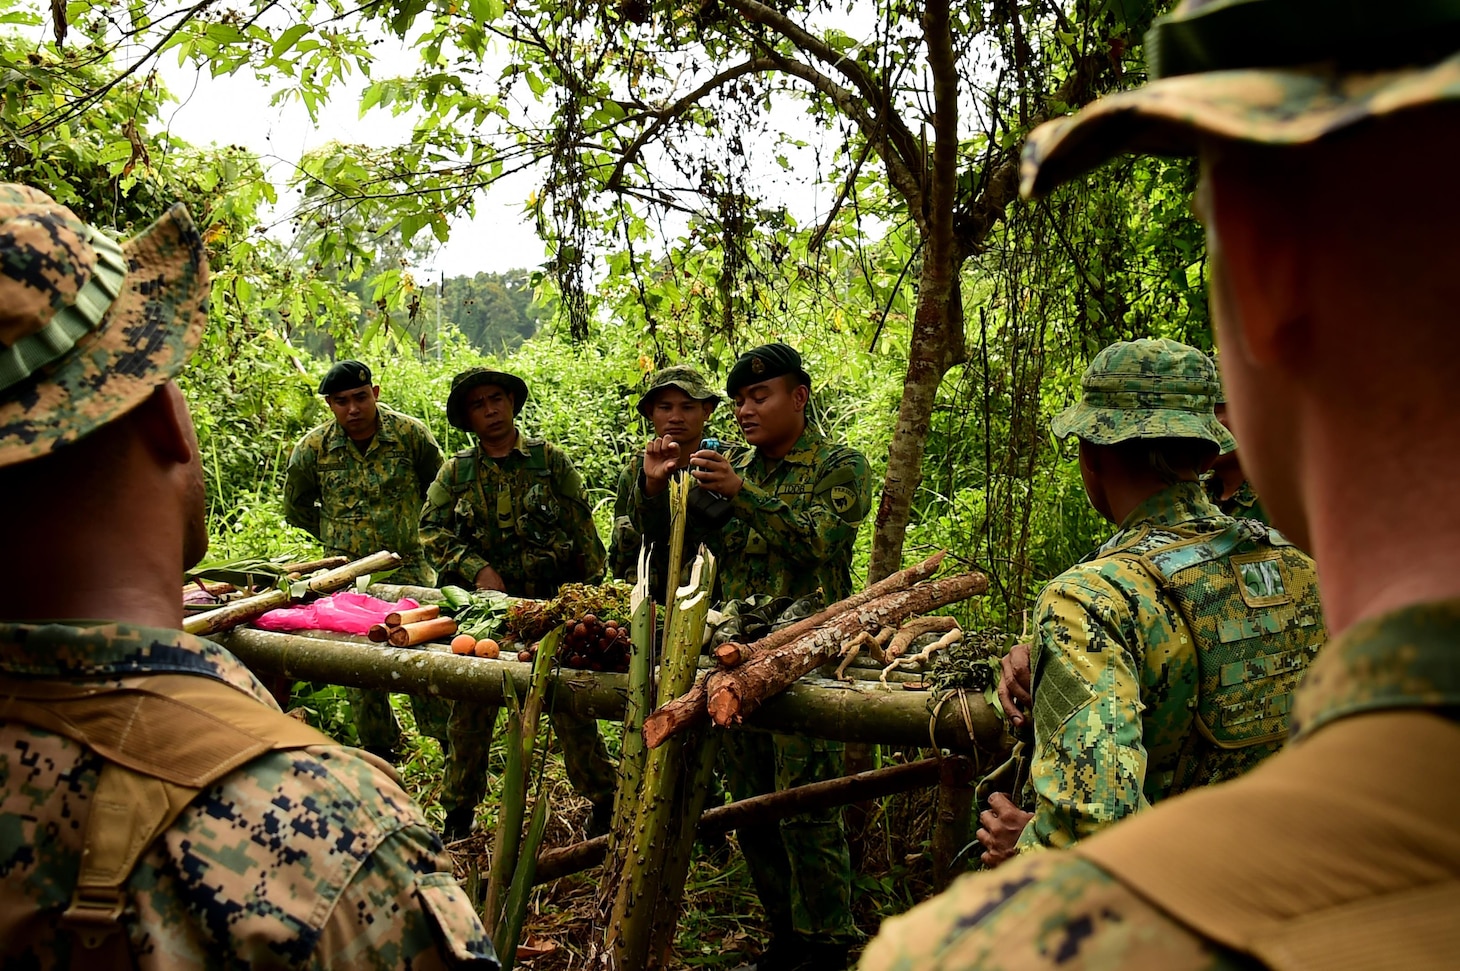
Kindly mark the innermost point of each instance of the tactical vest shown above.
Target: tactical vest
(1250, 599)
(164, 738)
(542, 559)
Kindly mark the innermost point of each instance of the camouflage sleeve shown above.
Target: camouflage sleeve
(809, 532)
(1089, 762)
(301, 490)
(445, 537)
(1053, 911)
(427, 458)
(431, 924)
(623, 549)
(577, 516)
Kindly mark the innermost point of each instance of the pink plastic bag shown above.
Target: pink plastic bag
(345, 612)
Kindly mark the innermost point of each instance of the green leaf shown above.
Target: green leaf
(288, 39)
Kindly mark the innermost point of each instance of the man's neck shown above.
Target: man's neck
(142, 587)
(1127, 495)
(780, 449)
(500, 447)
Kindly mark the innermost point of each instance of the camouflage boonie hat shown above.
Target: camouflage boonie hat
(686, 379)
(475, 378)
(1146, 389)
(88, 327)
(1273, 72)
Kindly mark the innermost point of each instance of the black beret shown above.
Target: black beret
(345, 376)
(763, 363)
(475, 378)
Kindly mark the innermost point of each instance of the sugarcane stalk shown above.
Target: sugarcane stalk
(242, 611)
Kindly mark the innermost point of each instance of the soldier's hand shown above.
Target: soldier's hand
(1014, 690)
(490, 579)
(661, 458)
(999, 829)
(714, 472)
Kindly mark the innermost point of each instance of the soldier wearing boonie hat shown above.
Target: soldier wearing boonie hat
(356, 484)
(143, 763)
(509, 513)
(1332, 314)
(677, 403)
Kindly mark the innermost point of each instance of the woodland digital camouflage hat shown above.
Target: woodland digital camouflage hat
(475, 378)
(1146, 389)
(686, 379)
(88, 328)
(1274, 72)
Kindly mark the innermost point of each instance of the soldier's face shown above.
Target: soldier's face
(355, 410)
(770, 412)
(679, 416)
(489, 412)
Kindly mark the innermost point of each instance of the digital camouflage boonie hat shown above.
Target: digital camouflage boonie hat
(1273, 72)
(88, 328)
(1146, 389)
(475, 378)
(686, 379)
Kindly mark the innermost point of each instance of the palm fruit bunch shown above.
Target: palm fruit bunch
(973, 663)
(597, 645)
(529, 620)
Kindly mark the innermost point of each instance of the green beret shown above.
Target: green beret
(763, 363)
(686, 379)
(475, 378)
(345, 376)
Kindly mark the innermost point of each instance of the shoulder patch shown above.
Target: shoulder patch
(843, 498)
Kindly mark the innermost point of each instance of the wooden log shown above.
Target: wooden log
(391, 592)
(422, 631)
(400, 618)
(737, 692)
(914, 629)
(759, 810)
(243, 611)
(855, 711)
(677, 715)
(213, 588)
(952, 826)
(731, 654)
(309, 566)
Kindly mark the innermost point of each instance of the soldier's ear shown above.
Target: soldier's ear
(799, 396)
(166, 426)
(375, 391)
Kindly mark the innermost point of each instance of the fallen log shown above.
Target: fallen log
(914, 629)
(732, 654)
(243, 611)
(856, 711)
(735, 693)
(759, 810)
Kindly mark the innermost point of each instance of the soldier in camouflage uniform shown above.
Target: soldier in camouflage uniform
(796, 501)
(509, 514)
(1333, 319)
(678, 402)
(1167, 659)
(356, 484)
(310, 857)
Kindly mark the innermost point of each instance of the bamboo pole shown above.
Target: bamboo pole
(422, 631)
(853, 711)
(636, 704)
(400, 618)
(242, 611)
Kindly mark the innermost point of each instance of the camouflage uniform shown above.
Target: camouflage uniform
(525, 515)
(793, 526)
(1304, 862)
(303, 859)
(357, 503)
(1242, 504)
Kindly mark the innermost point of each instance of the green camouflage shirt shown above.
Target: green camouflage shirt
(358, 504)
(525, 515)
(307, 858)
(1117, 671)
(794, 521)
(638, 516)
(1059, 911)
(628, 521)
(1242, 504)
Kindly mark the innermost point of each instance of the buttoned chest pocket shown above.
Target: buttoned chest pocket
(541, 521)
(341, 496)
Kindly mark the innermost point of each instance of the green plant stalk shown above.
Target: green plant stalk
(679, 486)
(657, 828)
(509, 814)
(637, 703)
(689, 807)
(509, 932)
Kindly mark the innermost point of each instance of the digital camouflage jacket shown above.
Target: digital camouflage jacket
(1186, 624)
(794, 521)
(308, 858)
(358, 504)
(1385, 692)
(1242, 504)
(525, 515)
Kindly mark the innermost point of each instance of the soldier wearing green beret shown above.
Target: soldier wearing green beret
(356, 484)
(1137, 660)
(796, 501)
(678, 403)
(157, 809)
(1333, 319)
(509, 514)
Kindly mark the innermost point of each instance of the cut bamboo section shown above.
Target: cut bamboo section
(422, 631)
(401, 618)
